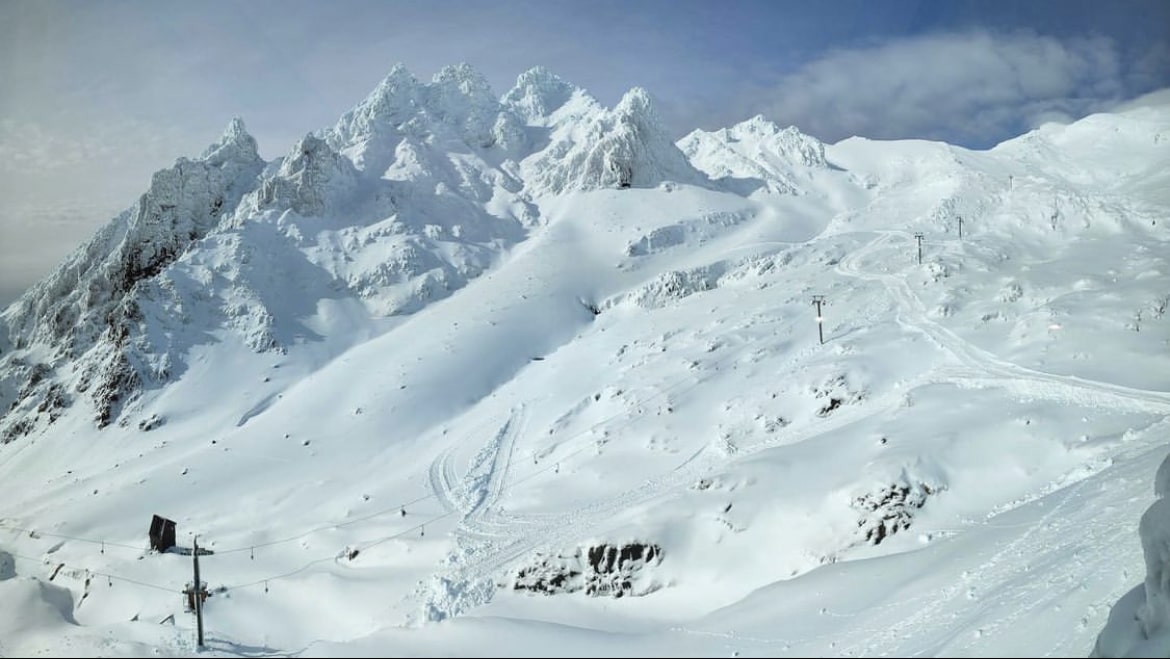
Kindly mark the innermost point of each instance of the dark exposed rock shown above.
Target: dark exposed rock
(835, 393)
(891, 509)
(600, 571)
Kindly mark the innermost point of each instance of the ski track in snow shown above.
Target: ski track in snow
(981, 368)
(488, 540)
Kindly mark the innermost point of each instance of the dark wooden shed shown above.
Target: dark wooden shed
(162, 533)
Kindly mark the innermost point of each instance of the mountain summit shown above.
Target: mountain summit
(418, 189)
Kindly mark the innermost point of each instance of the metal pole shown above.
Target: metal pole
(817, 300)
(960, 227)
(918, 236)
(198, 588)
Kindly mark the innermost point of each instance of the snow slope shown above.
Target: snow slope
(475, 375)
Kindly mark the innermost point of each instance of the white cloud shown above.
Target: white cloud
(971, 87)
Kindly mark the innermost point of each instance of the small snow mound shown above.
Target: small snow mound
(34, 604)
(449, 596)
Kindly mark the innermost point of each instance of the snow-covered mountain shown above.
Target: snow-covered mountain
(417, 190)
(466, 367)
(756, 152)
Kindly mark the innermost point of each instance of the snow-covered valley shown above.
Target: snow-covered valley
(518, 375)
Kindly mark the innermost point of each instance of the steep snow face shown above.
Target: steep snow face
(623, 148)
(755, 154)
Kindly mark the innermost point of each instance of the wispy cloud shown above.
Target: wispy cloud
(970, 87)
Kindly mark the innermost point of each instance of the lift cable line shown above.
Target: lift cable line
(680, 385)
(96, 573)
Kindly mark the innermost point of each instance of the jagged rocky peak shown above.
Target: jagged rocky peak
(755, 154)
(311, 178)
(456, 94)
(392, 103)
(461, 97)
(462, 80)
(86, 316)
(626, 147)
(458, 104)
(637, 106)
(538, 93)
(108, 324)
(789, 142)
(235, 145)
(758, 125)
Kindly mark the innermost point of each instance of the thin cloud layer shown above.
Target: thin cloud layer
(959, 87)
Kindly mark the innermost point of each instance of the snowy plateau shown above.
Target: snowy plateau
(521, 375)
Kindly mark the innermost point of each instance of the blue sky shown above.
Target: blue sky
(97, 95)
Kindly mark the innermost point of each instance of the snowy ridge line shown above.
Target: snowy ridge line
(111, 577)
